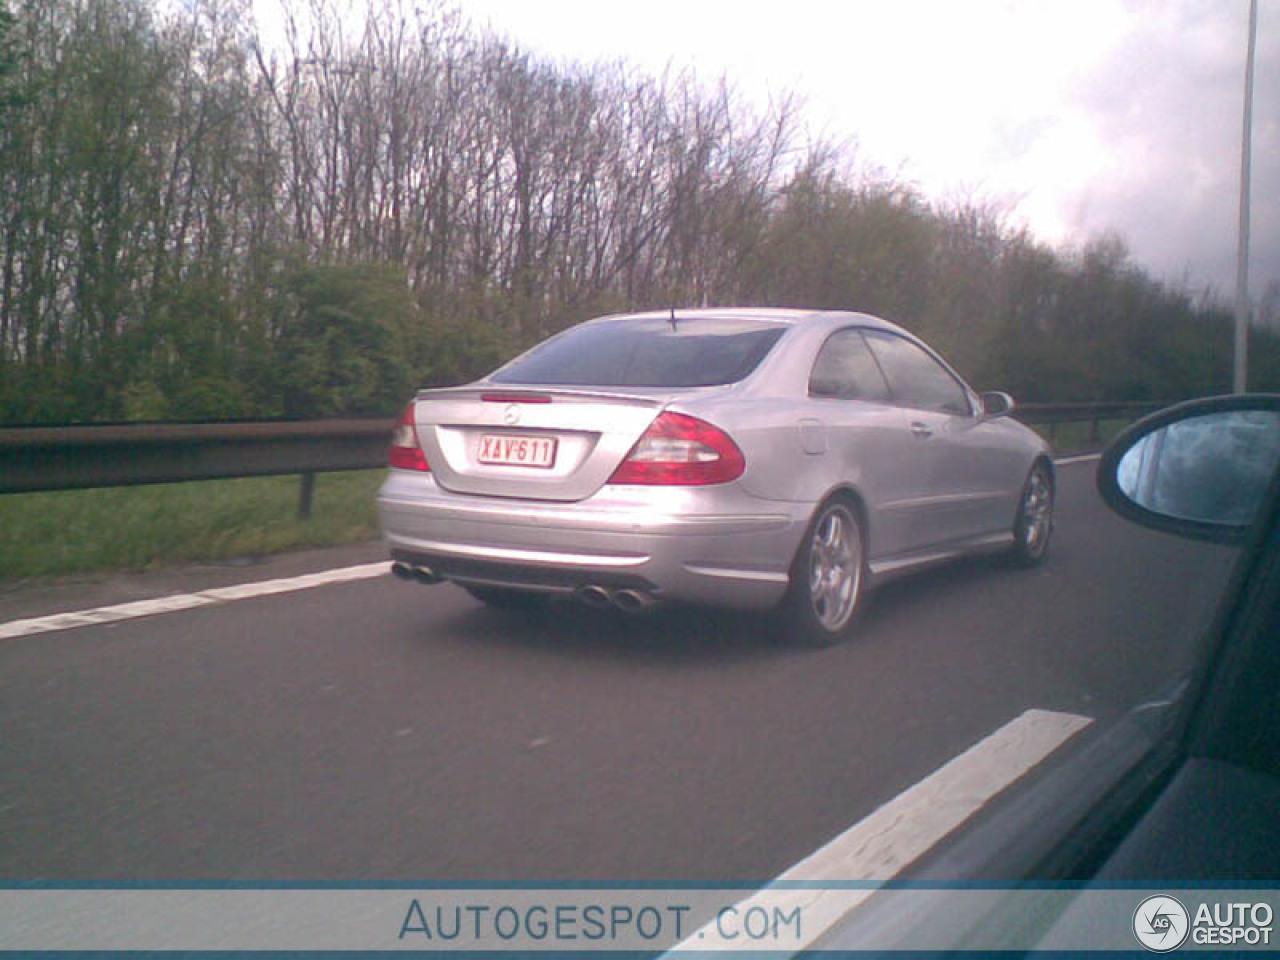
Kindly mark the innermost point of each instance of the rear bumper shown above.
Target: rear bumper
(663, 540)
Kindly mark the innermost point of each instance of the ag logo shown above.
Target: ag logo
(1161, 923)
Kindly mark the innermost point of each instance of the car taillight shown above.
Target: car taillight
(680, 450)
(406, 453)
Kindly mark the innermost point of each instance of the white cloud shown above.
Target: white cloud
(1168, 107)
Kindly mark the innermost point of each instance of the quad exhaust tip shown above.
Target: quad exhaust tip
(405, 571)
(627, 600)
(595, 597)
(633, 601)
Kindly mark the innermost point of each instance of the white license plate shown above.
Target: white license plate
(516, 451)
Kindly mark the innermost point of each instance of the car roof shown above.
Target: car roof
(784, 315)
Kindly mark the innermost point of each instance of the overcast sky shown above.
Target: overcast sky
(1091, 115)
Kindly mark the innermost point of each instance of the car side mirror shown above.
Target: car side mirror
(996, 404)
(1199, 469)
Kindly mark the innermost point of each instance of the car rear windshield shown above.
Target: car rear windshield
(634, 352)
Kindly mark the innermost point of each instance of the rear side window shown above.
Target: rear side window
(846, 369)
(915, 378)
(633, 352)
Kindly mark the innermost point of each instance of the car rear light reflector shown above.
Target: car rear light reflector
(406, 453)
(679, 450)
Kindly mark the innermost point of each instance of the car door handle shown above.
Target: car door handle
(921, 430)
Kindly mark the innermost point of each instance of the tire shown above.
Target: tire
(503, 598)
(828, 577)
(1033, 525)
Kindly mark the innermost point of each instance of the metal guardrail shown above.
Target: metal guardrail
(69, 458)
(1052, 414)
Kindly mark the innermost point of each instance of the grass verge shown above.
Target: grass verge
(140, 528)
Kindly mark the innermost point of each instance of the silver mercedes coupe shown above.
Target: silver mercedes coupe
(752, 458)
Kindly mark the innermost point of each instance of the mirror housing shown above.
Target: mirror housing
(1199, 469)
(996, 404)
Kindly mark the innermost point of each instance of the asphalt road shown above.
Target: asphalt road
(383, 730)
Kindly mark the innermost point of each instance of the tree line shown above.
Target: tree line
(200, 221)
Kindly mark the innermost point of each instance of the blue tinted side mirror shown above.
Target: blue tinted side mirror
(1199, 469)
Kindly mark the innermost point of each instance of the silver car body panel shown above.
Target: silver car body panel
(690, 543)
(931, 484)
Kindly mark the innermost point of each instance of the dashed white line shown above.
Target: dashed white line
(879, 846)
(185, 601)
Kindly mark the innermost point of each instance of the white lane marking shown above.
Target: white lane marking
(1083, 458)
(185, 601)
(879, 846)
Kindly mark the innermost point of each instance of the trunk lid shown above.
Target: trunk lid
(532, 443)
